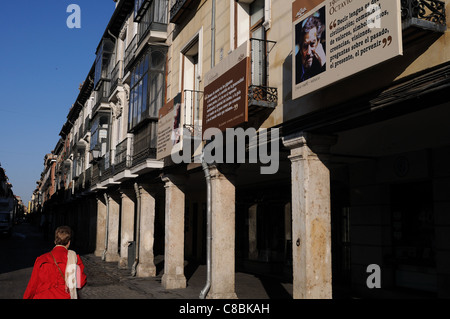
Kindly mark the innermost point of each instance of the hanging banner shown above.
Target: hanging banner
(337, 38)
(226, 91)
(169, 128)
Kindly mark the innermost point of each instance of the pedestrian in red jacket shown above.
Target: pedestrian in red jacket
(57, 274)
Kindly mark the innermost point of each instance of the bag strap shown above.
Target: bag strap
(62, 275)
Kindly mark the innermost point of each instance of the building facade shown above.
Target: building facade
(352, 174)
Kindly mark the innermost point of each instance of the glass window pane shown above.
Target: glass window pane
(158, 59)
(146, 63)
(144, 92)
(256, 11)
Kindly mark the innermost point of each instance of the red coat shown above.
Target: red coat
(46, 281)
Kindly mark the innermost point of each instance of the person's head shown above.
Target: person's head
(63, 235)
(309, 40)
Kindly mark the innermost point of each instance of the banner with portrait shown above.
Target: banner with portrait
(335, 39)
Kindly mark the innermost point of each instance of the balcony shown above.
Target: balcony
(95, 177)
(144, 143)
(79, 183)
(106, 169)
(105, 53)
(192, 117)
(88, 178)
(178, 9)
(422, 16)
(102, 94)
(116, 76)
(139, 9)
(154, 18)
(123, 159)
(260, 95)
(130, 54)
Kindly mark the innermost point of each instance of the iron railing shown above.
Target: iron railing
(429, 10)
(259, 93)
(102, 94)
(144, 143)
(176, 9)
(116, 76)
(192, 107)
(123, 157)
(424, 14)
(129, 53)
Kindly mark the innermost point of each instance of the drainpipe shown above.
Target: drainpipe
(205, 290)
(106, 226)
(138, 230)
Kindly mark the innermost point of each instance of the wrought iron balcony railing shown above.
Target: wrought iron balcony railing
(177, 8)
(129, 53)
(123, 157)
(102, 94)
(116, 76)
(192, 117)
(144, 143)
(259, 93)
(427, 14)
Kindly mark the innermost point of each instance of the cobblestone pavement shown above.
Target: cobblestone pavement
(107, 281)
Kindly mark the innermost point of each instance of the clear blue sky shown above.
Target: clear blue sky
(42, 64)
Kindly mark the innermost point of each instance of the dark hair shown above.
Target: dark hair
(309, 24)
(63, 235)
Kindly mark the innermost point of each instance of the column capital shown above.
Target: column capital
(223, 170)
(306, 145)
(126, 191)
(171, 179)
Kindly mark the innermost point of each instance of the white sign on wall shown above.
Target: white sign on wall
(337, 38)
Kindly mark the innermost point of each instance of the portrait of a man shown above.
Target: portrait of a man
(310, 57)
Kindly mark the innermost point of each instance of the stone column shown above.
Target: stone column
(173, 277)
(311, 221)
(112, 252)
(101, 227)
(252, 232)
(127, 226)
(146, 266)
(223, 233)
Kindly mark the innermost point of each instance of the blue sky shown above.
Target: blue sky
(42, 64)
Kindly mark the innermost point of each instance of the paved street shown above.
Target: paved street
(107, 281)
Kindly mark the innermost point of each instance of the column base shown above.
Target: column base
(112, 257)
(123, 263)
(222, 295)
(146, 270)
(173, 281)
(98, 252)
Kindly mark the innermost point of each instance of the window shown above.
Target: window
(191, 83)
(154, 17)
(147, 86)
(99, 133)
(257, 31)
(104, 53)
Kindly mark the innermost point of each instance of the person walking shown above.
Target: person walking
(58, 273)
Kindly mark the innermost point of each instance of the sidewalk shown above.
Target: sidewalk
(107, 281)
